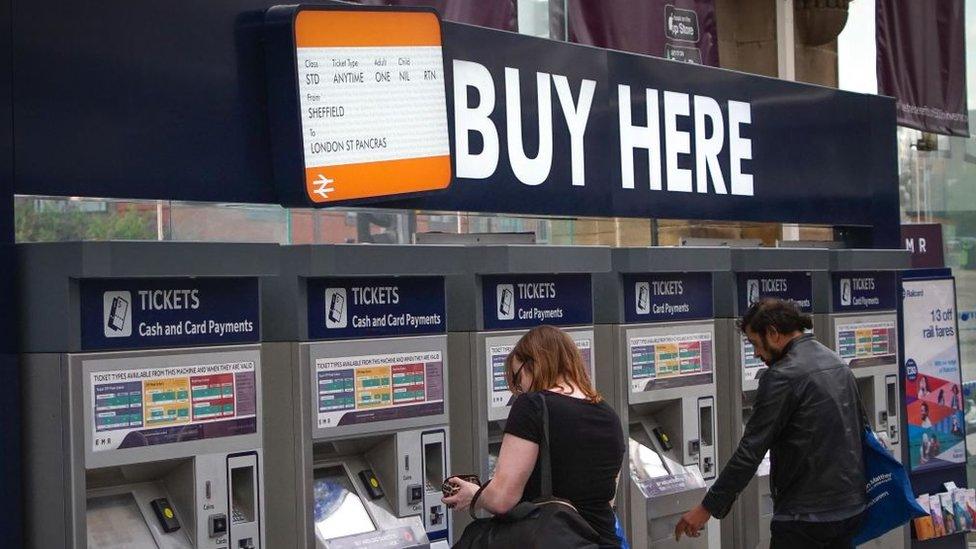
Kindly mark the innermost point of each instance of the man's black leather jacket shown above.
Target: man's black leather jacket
(808, 413)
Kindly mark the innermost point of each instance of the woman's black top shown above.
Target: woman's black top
(587, 450)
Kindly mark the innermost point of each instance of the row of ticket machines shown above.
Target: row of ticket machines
(238, 396)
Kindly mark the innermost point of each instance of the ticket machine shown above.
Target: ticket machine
(797, 274)
(861, 324)
(357, 397)
(142, 394)
(656, 333)
(505, 291)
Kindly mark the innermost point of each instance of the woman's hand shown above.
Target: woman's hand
(461, 499)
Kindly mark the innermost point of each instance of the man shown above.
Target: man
(808, 413)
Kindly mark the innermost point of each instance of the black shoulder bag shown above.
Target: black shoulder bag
(545, 522)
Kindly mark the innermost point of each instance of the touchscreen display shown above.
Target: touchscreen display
(339, 511)
(115, 522)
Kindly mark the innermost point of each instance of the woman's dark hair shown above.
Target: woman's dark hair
(780, 314)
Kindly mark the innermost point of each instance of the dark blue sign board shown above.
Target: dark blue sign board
(143, 313)
(375, 307)
(788, 151)
(667, 297)
(525, 301)
(796, 286)
(864, 291)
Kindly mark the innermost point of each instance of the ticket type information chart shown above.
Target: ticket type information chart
(499, 396)
(365, 389)
(659, 362)
(867, 343)
(151, 406)
(373, 103)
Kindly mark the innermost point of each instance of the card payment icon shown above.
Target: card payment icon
(116, 314)
(845, 292)
(752, 292)
(506, 301)
(335, 308)
(643, 293)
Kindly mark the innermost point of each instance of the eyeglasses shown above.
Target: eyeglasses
(517, 376)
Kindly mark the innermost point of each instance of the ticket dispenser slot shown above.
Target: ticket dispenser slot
(706, 437)
(891, 407)
(865, 386)
(243, 497)
(662, 489)
(435, 471)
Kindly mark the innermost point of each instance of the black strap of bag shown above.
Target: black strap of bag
(545, 457)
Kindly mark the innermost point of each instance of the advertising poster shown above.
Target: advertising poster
(364, 389)
(933, 394)
(150, 406)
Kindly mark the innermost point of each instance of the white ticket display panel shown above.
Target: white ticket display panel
(497, 350)
(371, 104)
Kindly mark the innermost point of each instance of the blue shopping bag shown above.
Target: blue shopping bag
(891, 502)
(620, 532)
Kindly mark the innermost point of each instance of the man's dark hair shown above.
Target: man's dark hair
(771, 312)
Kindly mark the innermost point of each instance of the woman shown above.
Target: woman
(585, 437)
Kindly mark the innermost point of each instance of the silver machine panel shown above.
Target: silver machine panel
(656, 329)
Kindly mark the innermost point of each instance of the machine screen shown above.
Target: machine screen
(656, 475)
(115, 522)
(660, 362)
(366, 389)
(339, 511)
(871, 343)
(163, 405)
(499, 396)
(646, 463)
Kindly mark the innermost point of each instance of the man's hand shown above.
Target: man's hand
(692, 522)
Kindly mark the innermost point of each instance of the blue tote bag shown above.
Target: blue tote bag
(891, 502)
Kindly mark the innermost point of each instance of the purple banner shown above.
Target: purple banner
(922, 63)
(387, 414)
(186, 433)
(682, 30)
(924, 240)
(497, 14)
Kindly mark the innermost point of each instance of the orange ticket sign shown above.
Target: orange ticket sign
(372, 103)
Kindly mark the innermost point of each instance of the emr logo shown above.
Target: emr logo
(335, 308)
